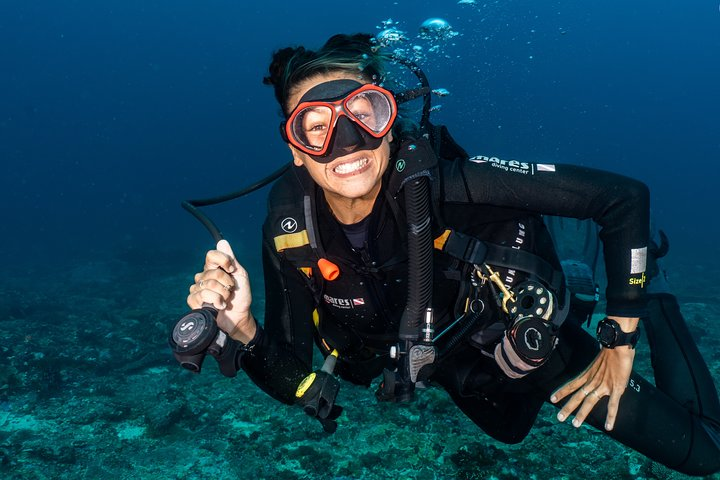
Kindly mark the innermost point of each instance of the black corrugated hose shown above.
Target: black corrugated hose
(417, 194)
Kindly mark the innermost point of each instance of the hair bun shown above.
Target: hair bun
(356, 41)
(279, 64)
(353, 54)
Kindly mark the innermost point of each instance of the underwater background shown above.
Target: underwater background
(112, 112)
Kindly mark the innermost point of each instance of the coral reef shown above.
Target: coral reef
(88, 389)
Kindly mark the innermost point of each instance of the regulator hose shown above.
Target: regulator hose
(420, 245)
(192, 205)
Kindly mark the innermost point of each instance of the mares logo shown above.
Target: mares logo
(344, 303)
(514, 166)
(638, 280)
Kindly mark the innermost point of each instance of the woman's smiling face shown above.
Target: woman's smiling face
(356, 175)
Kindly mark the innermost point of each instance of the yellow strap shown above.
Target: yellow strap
(439, 242)
(291, 240)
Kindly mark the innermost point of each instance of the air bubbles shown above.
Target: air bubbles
(431, 39)
(390, 36)
(436, 29)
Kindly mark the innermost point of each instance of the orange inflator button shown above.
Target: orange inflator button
(329, 270)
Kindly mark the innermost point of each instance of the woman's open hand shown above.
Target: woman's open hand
(607, 375)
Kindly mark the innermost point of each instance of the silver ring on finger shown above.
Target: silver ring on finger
(585, 392)
(201, 283)
(594, 392)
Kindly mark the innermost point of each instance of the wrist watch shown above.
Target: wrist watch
(610, 335)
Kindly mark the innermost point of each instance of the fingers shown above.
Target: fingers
(574, 384)
(223, 258)
(586, 398)
(217, 259)
(220, 277)
(568, 388)
(212, 286)
(224, 284)
(224, 247)
(613, 406)
(582, 386)
(205, 296)
(572, 404)
(218, 287)
(591, 398)
(607, 375)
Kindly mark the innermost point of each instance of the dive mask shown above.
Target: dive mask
(338, 117)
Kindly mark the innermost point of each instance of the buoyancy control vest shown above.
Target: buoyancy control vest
(359, 311)
(370, 292)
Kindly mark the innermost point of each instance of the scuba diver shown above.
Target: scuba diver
(397, 255)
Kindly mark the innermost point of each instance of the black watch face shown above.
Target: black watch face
(606, 334)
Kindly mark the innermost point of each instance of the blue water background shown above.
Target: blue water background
(111, 112)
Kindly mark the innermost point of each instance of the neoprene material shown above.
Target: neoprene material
(360, 311)
(667, 423)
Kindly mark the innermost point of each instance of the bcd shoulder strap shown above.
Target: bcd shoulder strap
(471, 250)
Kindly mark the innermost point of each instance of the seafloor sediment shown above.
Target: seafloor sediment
(88, 389)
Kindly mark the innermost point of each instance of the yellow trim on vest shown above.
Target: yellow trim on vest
(307, 271)
(316, 321)
(316, 318)
(291, 240)
(439, 242)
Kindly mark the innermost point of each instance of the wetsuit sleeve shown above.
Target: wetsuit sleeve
(620, 205)
(282, 356)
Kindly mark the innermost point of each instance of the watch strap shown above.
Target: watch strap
(620, 338)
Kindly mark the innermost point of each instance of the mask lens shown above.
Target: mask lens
(311, 126)
(371, 108)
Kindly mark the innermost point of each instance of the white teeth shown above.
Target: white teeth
(350, 166)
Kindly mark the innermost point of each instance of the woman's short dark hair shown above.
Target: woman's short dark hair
(355, 54)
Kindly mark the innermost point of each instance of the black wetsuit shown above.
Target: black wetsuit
(498, 201)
